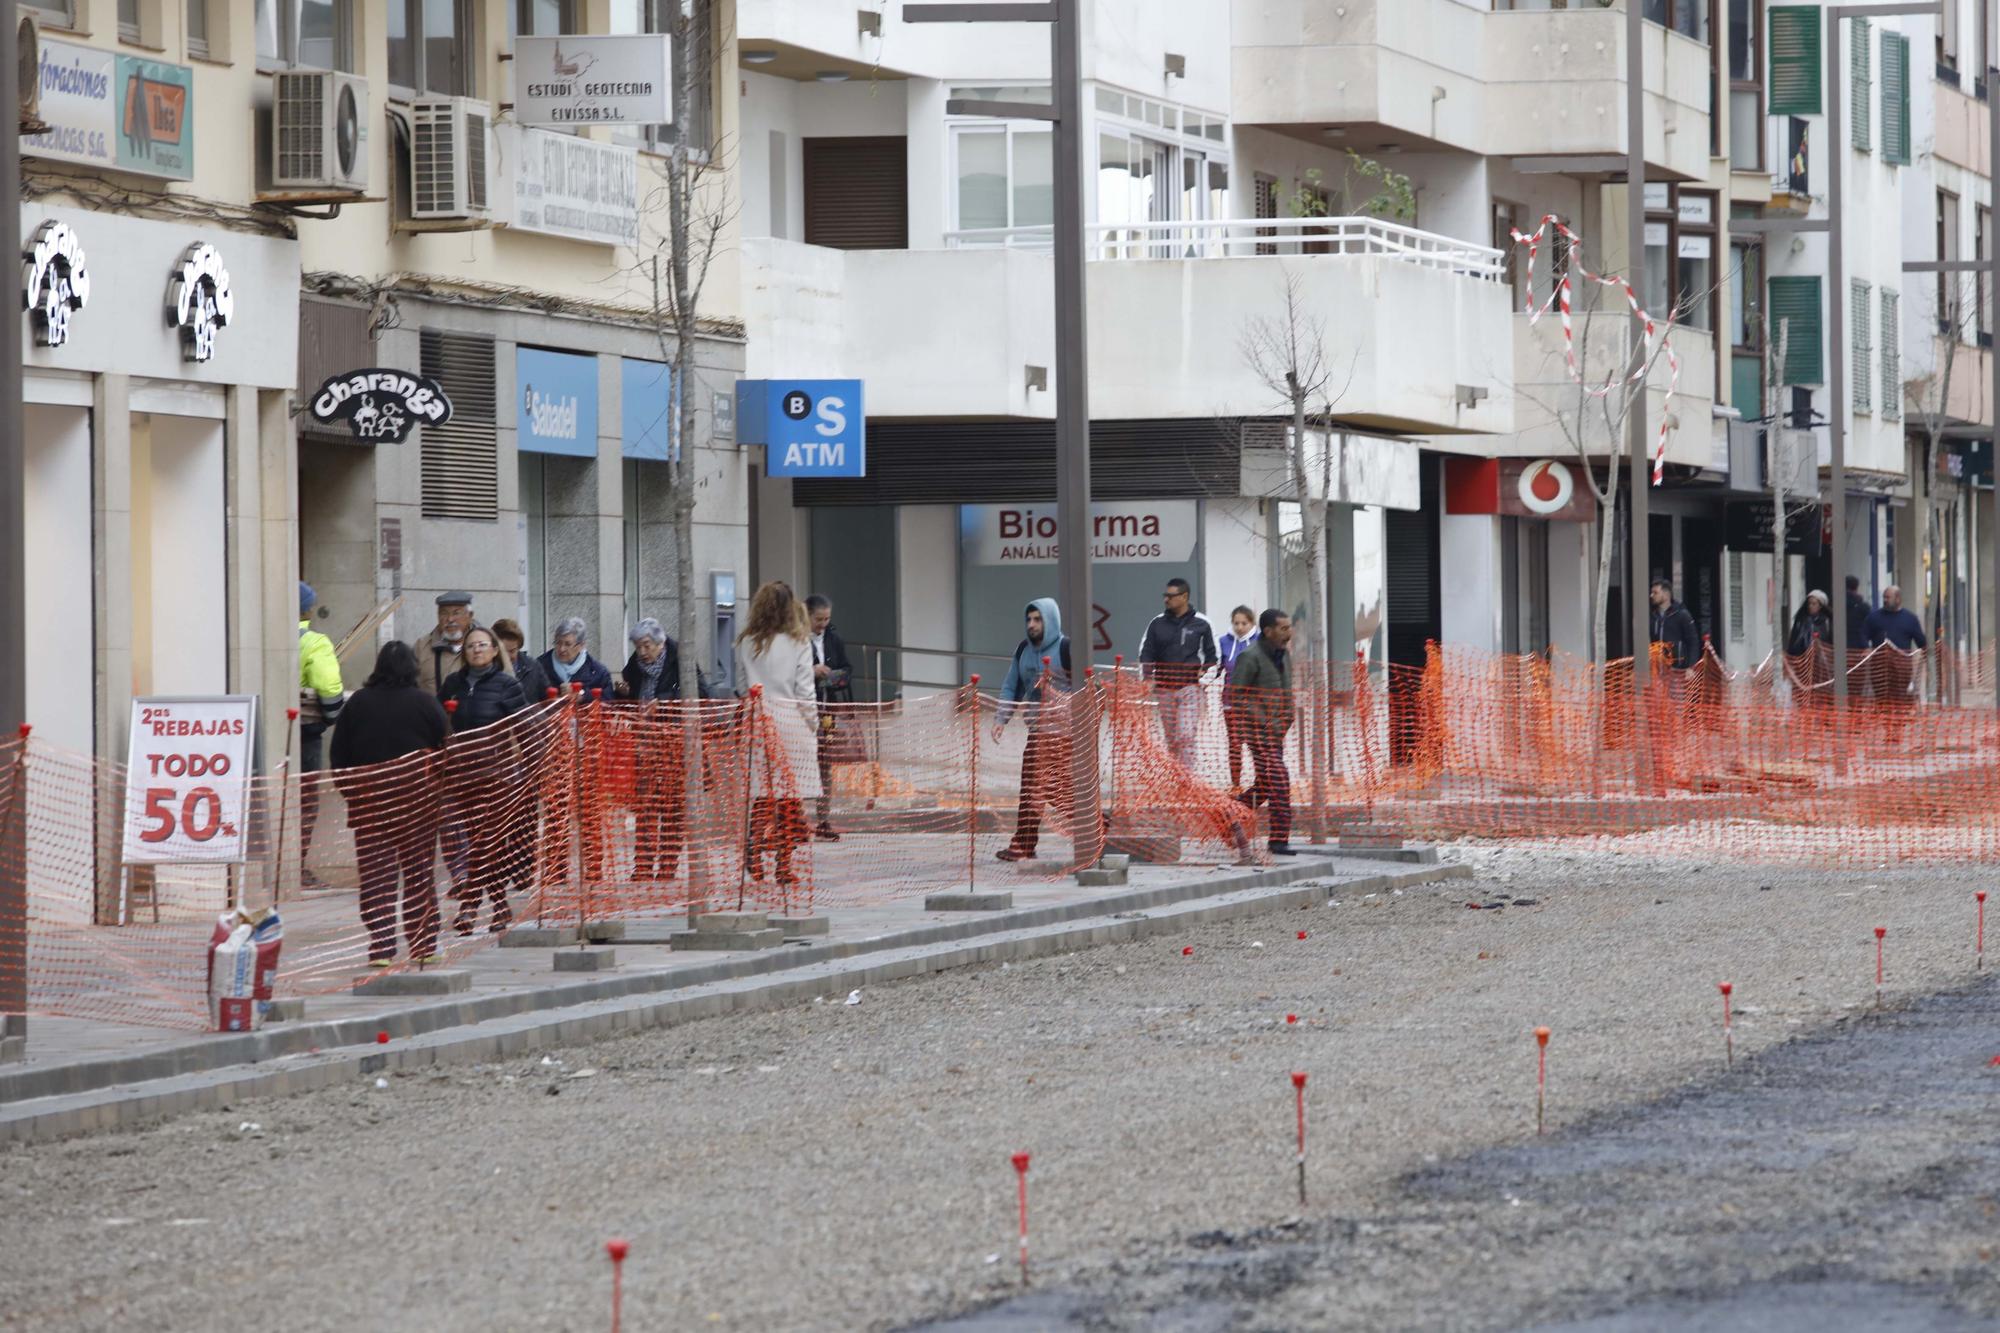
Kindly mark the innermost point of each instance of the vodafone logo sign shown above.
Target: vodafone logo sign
(1545, 487)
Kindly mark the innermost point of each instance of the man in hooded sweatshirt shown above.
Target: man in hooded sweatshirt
(1040, 668)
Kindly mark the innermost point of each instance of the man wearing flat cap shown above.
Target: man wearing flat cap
(438, 652)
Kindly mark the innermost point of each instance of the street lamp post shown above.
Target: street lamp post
(13, 579)
(1638, 476)
(1072, 388)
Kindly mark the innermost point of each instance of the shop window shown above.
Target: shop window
(1004, 176)
(1747, 333)
(311, 34)
(431, 47)
(544, 18)
(1689, 18)
(1681, 240)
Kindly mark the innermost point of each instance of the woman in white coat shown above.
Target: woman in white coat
(775, 651)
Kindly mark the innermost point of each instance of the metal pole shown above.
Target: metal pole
(1836, 348)
(1993, 273)
(1073, 408)
(13, 563)
(1638, 473)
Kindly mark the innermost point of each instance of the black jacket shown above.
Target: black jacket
(670, 675)
(1857, 620)
(593, 675)
(1675, 627)
(839, 687)
(534, 682)
(483, 698)
(1178, 650)
(1806, 627)
(381, 723)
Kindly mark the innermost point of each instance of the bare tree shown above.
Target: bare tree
(1288, 354)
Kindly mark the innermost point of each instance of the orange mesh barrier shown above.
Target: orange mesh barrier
(580, 810)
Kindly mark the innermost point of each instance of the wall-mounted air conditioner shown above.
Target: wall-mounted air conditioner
(319, 131)
(449, 158)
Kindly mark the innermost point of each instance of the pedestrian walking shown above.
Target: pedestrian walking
(653, 671)
(321, 694)
(774, 652)
(382, 769)
(1262, 684)
(1040, 674)
(1811, 641)
(652, 679)
(1242, 633)
(569, 663)
(1895, 637)
(438, 652)
(1673, 625)
(1858, 612)
(484, 775)
(1177, 651)
(520, 663)
(833, 680)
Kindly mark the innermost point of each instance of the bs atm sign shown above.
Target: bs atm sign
(809, 428)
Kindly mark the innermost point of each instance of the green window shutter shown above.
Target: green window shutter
(1861, 104)
(1795, 308)
(1795, 60)
(1896, 99)
(1892, 355)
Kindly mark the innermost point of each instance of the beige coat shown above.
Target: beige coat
(785, 670)
(436, 660)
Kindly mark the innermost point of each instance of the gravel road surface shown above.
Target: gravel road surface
(845, 1166)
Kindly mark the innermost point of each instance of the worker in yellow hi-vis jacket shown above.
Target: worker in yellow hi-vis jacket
(320, 696)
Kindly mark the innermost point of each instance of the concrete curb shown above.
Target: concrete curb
(281, 1062)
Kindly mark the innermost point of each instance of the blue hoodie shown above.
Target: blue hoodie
(1024, 673)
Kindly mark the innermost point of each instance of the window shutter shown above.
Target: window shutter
(857, 193)
(1861, 311)
(461, 459)
(1892, 354)
(1895, 99)
(1861, 114)
(1795, 60)
(1795, 308)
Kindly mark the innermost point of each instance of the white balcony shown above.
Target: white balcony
(1406, 320)
(1554, 408)
(1544, 83)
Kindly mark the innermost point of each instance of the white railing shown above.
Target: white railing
(1242, 238)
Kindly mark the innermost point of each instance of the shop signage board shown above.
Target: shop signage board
(114, 111)
(1122, 533)
(1747, 524)
(577, 80)
(650, 410)
(557, 403)
(1546, 488)
(809, 428)
(575, 188)
(187, 779)
(55, 281)
(381, 406)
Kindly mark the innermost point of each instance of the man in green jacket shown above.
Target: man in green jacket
(321, 694)
(1261, 686)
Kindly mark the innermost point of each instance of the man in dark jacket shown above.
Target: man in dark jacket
(1673, 625)
(833, 681)
(570, 665)
(1261, 688)
(1857, 616)
(1898, 635)
(1177, 651)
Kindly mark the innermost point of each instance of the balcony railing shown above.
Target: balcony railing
(1241, 238)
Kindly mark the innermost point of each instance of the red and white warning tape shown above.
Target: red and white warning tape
(1561, 296)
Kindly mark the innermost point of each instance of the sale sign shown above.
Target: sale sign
(187, 779)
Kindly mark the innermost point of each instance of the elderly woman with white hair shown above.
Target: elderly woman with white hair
(569, 665)
(654, 669)
(653, 676)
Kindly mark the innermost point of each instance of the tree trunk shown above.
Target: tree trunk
(1312, 510)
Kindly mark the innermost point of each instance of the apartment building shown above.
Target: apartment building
(324, 187)
(1231, 148)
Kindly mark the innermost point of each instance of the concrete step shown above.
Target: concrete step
(707, 939)
(437, 981)
(969, 902)
(586, 960)
(1102, 878)
(801, 927)
(538, 937)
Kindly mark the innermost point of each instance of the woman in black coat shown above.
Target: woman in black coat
(484, 776)
(382, 767)
(1812, 639)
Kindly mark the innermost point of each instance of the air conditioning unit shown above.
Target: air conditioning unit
(30, 65)
(448, 158)
(319, 130)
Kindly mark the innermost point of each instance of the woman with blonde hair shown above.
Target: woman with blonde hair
(774, 651)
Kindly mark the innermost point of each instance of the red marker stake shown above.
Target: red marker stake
(617, 1249)
(1541, 1078)
(1021, 1174)
(1979, 939)
(1728, 1034)
(1880, 931)
(1299, 1084)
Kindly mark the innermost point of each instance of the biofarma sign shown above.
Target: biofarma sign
(1160, 531)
